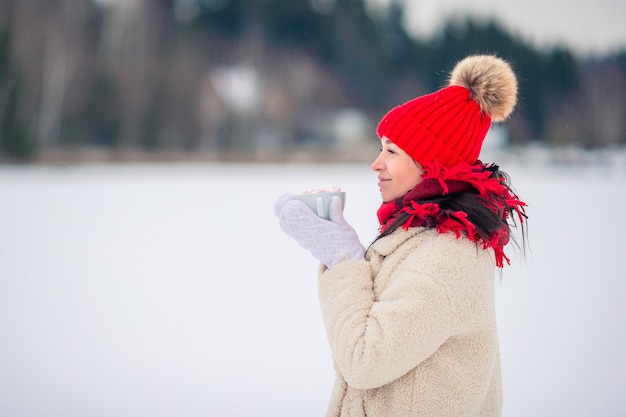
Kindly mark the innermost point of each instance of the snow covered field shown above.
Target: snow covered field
(169, 291)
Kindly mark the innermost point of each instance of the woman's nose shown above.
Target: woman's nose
(377, 165)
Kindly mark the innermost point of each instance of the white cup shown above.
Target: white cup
(320, 202)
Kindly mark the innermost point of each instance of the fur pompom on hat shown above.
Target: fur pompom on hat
(450, 125)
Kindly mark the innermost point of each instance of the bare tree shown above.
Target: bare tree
(48, 47)
(607, 107)
(130, 57)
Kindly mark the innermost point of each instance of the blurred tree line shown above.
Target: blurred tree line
(263, 76)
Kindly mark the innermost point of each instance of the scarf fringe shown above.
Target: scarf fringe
(501, 200)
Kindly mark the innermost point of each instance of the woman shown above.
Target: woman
(411, 321)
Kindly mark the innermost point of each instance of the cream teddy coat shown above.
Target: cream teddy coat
(412, 328)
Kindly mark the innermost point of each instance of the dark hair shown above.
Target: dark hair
(482, 213)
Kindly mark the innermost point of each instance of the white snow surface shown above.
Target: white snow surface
(169, 290)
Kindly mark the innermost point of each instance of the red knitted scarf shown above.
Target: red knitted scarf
(439, 181)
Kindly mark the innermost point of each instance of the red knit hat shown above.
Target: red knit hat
(450, 125)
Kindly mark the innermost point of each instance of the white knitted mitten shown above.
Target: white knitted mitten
(330, 242)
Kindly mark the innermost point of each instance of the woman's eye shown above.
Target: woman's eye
(390, 151)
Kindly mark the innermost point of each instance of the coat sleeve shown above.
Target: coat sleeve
(375, 341)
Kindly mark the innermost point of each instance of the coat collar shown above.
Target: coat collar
(386, 245)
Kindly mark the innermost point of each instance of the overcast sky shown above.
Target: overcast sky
(586, 27)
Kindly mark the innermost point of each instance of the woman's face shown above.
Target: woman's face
(397, 172)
